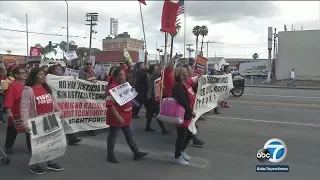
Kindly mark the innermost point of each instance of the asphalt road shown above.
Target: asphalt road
(232, 141)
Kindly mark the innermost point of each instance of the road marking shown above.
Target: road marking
(264, 121)
(273, 95)
(196, 162)
(277, 103)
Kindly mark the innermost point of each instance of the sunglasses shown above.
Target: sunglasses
(88, 63)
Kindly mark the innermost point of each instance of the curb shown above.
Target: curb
(283, 87)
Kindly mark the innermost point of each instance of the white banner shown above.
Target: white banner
(71, 72)
(83, 102)
(210, 89)
(47, 137)
(123, 93)
(70, 55)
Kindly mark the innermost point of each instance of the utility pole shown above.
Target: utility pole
(67, 26)
(275, 36)
(27, 32)
(189, 49)
(92, 18)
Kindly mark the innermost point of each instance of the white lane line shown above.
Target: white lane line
(273, 95)
(264, 121)
(196, 162)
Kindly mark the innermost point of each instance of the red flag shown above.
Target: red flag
(143, 2)
(35, 51)
(169, 17)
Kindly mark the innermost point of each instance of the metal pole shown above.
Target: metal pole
(90, 37)
(207, 56)
(184, 30)
(67, 26)
(27, 32)
(144, 34)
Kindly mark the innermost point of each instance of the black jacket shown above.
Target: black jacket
(141, 85)
(180, 93)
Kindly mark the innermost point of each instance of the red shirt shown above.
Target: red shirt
(13, 98)
(44, 103)
(168, 82)
(192, 100)
(125, 111)
(107, 79)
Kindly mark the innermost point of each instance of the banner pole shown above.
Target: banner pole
(142, 22)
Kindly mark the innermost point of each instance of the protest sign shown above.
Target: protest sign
(47, 138)
(123, 93)
(200, 65)
(142, 55)
(70, 55)
(210, 89)
(126, 57)
(71, 72)
(83, 102)
(157, 89)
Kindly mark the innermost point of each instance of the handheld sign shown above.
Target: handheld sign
(123, 93)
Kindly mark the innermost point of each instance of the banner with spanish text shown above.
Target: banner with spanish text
(47, 137)
(210, 89)
(83, 102)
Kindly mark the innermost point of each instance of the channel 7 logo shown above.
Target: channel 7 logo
(274, 150)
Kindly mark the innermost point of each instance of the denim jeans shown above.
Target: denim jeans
(128, 132)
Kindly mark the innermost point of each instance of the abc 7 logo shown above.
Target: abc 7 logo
(274, 150)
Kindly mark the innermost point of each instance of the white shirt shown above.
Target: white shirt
(292, 74)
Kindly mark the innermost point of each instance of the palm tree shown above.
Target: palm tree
(8, 51)
(196, 31)
(255, 56)
(46, 50)
(178, 26)
(203, 32)
(82, 52)
(63, 45)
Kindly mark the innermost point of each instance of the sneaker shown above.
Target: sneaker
(54, 167)
(74, 141)
(180, 161)
(185, 156)
(140, 155)
(37, 170)
(198, 143)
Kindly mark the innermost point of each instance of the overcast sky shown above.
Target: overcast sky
(239, 27)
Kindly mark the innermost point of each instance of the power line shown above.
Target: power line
(48, 34)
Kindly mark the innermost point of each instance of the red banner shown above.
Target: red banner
(35, 51)
(143, 2)
(200, 65)
(169, 17)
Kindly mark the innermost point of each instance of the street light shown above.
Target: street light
(67, 26)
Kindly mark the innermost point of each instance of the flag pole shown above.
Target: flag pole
(184, 30)
(144, 34)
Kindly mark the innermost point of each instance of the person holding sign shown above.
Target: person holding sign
(12, 106)
(37, 100)
(119, 117)
(182, 92)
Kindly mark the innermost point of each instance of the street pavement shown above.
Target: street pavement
(232, 141)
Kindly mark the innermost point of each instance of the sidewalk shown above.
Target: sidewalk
(283, 87)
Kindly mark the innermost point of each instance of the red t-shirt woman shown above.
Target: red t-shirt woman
(119, 117)
(192, 100)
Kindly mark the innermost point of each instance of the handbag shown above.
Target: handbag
(171, 111)
(17, 123)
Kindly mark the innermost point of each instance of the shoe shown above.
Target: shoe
(226, 106)
(185, 156)
(149, 129)
(166, 132)
(54, 167)
(38, 170)
(112, 159)
(9, 151)
(140, 155)
(198, 143)
(75, 141)
(180, 161)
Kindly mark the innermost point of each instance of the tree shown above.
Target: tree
(46, 50)
(255, 56)
(203, 32)
(83, 52)
(63, 45)
(8, 51)
(178, 26)
(196, 31)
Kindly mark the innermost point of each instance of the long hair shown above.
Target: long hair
(51, 69)
(32, 79)
(115, 73)
(111, 69)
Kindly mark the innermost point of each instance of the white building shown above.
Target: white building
(216, 62)
(299, 50)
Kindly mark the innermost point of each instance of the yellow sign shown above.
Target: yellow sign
(127, 57)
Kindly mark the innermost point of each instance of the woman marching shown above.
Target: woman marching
(12, 106)
(37, 100)
(119, 117)
(182, 92)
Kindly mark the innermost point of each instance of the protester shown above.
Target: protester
(86, 73)
(153, 105)
(57, 70)
(32, 105)
(109, 75)
(27, 68)
(2, 78)
(141, 86)
(193, 82)
(182, 92)
(119, 117)
(8, 81)
(168, 79)
(226, 70)
(12, 106)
